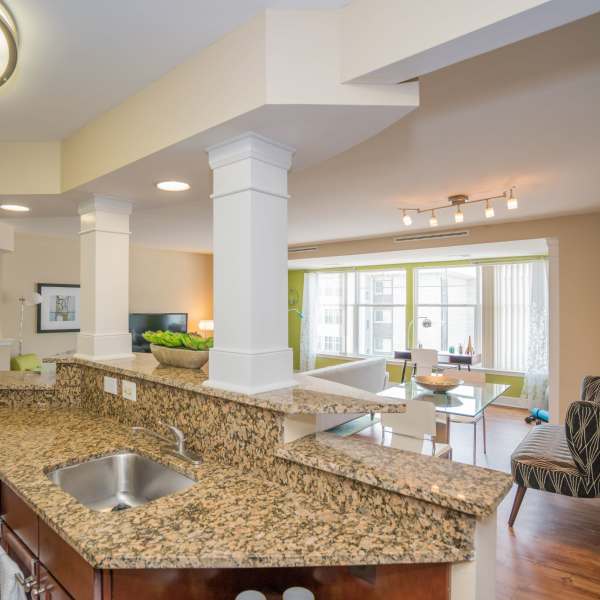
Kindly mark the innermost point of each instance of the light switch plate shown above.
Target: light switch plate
(129, 390)
(110, 385)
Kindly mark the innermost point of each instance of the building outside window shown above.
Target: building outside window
(450, 297)
(362, 312)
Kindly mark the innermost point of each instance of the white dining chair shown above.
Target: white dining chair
(476, 378)
(424, 361)
(415, 429)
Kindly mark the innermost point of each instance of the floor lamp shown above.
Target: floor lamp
(32, 300)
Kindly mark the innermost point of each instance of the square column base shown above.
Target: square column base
(250, 373)
(104, 346)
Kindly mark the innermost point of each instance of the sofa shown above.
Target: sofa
(366, 374)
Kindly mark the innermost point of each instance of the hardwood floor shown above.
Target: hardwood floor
(553, 551)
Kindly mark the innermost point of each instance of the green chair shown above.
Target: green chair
(26, 362)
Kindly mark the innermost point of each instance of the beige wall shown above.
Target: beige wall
(578, 239)
(168, 281)
(161, 281)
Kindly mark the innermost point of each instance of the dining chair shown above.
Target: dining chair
(414, 429)
(424, 360)
(475, 378)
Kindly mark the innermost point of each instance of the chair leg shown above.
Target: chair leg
(484, 435)
(516, 504)
(474, 442)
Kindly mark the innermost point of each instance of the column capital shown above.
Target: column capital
(104, 204)
(250, 145)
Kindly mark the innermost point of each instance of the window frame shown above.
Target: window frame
(356, 305)
(478, 332)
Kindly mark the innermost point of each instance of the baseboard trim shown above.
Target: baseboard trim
(512, 402)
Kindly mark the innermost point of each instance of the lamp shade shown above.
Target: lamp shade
(8, 45)
(206, 325)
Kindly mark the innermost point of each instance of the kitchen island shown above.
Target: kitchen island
(317, 511)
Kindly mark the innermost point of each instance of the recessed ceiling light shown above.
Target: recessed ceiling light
(8, 45)
(15, 207)
(173, 186)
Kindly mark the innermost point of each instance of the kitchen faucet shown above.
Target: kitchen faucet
(176, 447)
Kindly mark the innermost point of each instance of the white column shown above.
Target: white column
(251, 353)
(7, 244)
(476, 579)
(104, 247)
(554, 333)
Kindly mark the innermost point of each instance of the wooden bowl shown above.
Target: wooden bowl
(179, 357)
(439, 384)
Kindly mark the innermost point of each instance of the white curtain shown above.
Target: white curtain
(309, 332)
(535, 388)
(511, 316)
(520, 322)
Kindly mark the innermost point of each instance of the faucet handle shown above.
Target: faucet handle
(179, 436)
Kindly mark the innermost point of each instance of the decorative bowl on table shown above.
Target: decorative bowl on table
(179, 357)
(438, 384)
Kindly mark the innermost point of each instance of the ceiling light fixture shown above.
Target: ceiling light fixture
(173, 186)
(15, 207)
(457, 202)
(459, 216)
(8, 45)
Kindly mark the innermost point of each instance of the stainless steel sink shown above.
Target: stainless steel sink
(119, 481)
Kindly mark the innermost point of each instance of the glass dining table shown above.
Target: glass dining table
(466, 401)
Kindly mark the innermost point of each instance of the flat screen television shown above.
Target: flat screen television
(140, 322)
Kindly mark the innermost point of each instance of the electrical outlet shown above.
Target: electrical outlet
(110, 385)
(128, 389)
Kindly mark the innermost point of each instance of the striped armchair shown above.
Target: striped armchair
(562, 460)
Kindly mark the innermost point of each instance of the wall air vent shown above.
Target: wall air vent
(442, 235)
(305, 249)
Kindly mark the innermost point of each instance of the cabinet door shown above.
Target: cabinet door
(19, 517)
(49, 588)
(16, 550)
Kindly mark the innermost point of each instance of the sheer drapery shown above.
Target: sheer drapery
(520, 325)
(511, 316)
(535, 387)
(309, 333)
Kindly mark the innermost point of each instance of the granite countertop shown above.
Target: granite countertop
(229, 519)
(473, 490)
(23, 380)
(311, 395)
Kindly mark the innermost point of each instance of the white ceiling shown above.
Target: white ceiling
(448, 253)
(526, 115)
(79, 58)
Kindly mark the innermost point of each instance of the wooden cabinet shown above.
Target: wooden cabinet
(49, 588)
(19, 517)
(15, 548)
(74, 573)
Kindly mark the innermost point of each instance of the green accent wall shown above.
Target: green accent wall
(296, 287)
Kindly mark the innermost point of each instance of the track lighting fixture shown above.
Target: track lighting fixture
(457, 202)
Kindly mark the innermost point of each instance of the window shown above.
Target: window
(362, 312)
(332, 344)
(449, 299)
(491, 303)
(332, 316)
